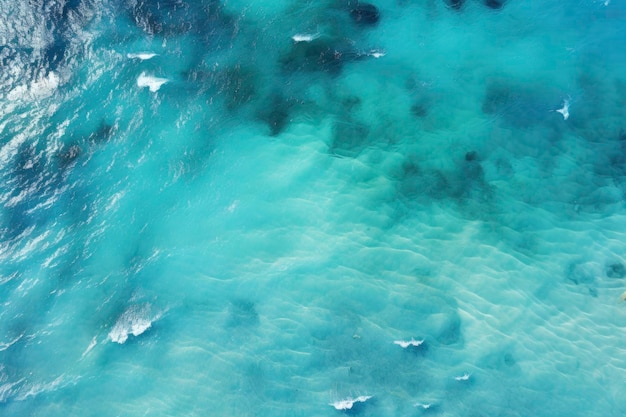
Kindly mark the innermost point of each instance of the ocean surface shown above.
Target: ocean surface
(312, 208)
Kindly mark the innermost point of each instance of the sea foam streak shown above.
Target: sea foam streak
(405, 344)
(141, 55)
(349, 402)
(305, 37)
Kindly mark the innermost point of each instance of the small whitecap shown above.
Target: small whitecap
(348, 403)
(153, 83)
(134, 321)
(565, 109)
(463, 377)
(305, 37)
(406, 343)
(376, 53)
(141, 55)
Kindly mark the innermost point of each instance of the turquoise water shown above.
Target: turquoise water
(202, 215)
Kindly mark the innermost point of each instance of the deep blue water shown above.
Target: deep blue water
(236, 208)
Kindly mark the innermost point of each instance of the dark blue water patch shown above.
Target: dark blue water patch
(63, 20)
(615, 270)
(365, 14)
(583, 276)
(103, 133)
(78, 145)
(67, 156)
(55, 52)
(424, 185)
(419, 109)
(206, 19)
(471, 182)
(465, 187)
(275, 111)
(494, 4)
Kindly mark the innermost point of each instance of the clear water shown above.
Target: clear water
(244, 224)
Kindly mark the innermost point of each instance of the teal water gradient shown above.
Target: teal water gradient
(253, 236)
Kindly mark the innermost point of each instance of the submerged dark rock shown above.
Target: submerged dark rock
(276, 113)
(494, 4)
(472, 171)
(422, 183)
(67, 156)
(471, 156)
(349, 138)
(103, 134)
(419, 110)
(365, 14)
(579, 273)
(616, 270)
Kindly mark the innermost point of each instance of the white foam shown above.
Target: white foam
(376, 53)
(463, 377)
(565, 109)
(92, 344)
(349, 402)
(406, 343)
(135, 320)
(305, 37)
(424, 406)
(39, 88)
(141, 55)
(153, 83)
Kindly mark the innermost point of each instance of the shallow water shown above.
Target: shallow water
(203, 216)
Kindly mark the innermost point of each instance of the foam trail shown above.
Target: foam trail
(153, 83)
(92, 344)
(305, 37)
(141, 55)
(405, 344)
(464, 377)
